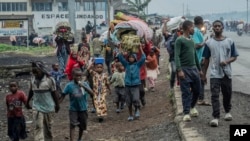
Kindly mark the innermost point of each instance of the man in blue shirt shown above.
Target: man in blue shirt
(199, 45)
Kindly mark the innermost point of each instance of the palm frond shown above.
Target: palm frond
(145, 4)
(131, 3)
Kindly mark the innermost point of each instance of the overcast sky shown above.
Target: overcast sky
(196, 7)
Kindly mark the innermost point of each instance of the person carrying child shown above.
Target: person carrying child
(152, 67)
(101, 88)
(83, 51)
(132, 81)
(78, 92)
(117, 80)
(16, 120)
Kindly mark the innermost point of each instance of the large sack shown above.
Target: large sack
(63, 30)
(130, 43)
(174, 23)
(142, 29)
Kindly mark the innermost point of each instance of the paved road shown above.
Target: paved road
(241, 68)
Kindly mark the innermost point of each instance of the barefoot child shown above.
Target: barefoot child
(118, 80)
(16, 121)
(132, 81)
(101, 88)
(78, 111)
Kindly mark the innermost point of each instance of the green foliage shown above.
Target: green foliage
(138, 6)
(26, 50)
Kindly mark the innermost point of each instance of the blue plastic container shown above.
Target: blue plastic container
(99, 60)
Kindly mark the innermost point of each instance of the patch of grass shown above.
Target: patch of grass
(44, 50)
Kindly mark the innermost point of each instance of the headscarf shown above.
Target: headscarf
(41, 66)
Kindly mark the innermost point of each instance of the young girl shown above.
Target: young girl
(16, 121)
(152, 67)
(101, 88)
(118, 80)
(73, 62)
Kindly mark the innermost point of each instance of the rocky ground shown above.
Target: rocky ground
(156, 122)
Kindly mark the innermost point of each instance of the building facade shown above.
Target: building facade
(21, 17)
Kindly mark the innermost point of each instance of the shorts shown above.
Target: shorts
(120, 94)
(16, 128)
(78, 118)
(133, 95)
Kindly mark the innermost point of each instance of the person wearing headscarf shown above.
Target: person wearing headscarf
(45, 101)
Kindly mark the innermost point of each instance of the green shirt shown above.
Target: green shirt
(185, 54)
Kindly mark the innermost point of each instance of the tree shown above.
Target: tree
(138, 6)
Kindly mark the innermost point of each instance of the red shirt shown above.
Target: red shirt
(14, 104)
(147, 49)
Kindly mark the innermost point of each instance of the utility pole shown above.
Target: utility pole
(94, 13)
(247, 11)
(72, 15)
(183, 9)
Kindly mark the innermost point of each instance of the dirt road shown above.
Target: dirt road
(155, 124)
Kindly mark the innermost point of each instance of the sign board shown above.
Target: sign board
(13, 27)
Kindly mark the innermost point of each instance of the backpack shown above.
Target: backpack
(169, 45)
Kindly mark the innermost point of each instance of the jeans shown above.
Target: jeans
(62, 57)
(191, 80)
(108, 64)
(225, 84)
(172, 73)
(202, 91)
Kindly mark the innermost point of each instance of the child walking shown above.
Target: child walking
(101, 88)
(78, 111)
(152, 67)
(118, 80)
(132, 82)
(16, 121)
(57, 75)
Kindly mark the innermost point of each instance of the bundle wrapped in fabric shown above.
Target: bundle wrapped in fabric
(63, 30)
(130, 43)
(174, 23)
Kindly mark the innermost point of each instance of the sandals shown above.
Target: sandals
(203, 103)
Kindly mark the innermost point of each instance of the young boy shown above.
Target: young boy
(57, 75)
(118, 80)
(77, 91)
(132, 81)
(16, 121)
(189, 70)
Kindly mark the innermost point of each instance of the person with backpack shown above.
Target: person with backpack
(170, 48)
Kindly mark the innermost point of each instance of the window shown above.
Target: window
(13, 6)
(100, 6)
(78, 6)
(42, 6)
(62, 6)
(4, 6)
(88, 6)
